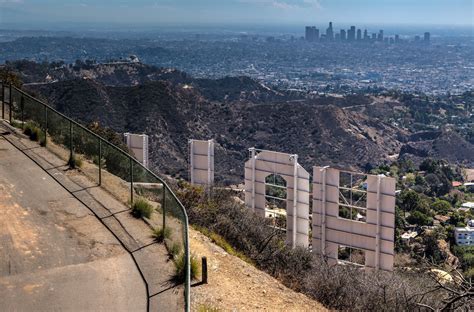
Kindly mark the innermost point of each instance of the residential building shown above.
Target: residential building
(465, 235)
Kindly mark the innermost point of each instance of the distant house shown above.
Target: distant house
(409, 236)
(440, 219)
(469, 186)
(456, 183)
(467, 205)
(465, 235)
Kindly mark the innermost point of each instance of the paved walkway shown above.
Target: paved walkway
(56, 255)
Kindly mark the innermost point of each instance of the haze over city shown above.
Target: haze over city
(107, 14)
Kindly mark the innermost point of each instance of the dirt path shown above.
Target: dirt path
(235, 285)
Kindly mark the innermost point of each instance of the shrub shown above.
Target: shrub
(43, 139)
(95, 160)
(160, 234)
(207, 308)
(32, 130)
(141, 208)
(337, 287)
(75, 161)
(35, 134)
(180, 265)
(175, 250)
(221, 242)
(16, 124)
(27, 127)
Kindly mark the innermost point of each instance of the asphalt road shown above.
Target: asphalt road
(54, 254)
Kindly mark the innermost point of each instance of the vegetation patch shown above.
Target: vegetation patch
(160, 234)
(180, 266)
(221, 242)
(75, 161)
(340, 287)
(141, 208)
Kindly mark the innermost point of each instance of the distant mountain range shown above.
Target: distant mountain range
(354, 132)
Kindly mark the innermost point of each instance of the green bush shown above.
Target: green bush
(141, 208)
(16, 124)
(32, 130)
(43, 139)
(27, 127)
(75, 161)
(175, 250)
(180, 265)
(160, 234)
(34, 134)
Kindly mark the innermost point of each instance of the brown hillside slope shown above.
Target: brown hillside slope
(234, 285)
(171, 115)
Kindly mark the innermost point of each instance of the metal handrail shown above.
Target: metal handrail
(166, 186)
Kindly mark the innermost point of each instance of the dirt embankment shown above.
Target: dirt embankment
(234, 285)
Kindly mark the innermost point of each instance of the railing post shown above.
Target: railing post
(3, 101)
(187, 300)
(45, 123)
(10, 104)
(71, 147)
(22, 107)
(131, 180)
(100, 162)
(163, 206)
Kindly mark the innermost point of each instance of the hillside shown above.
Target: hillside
(227, 275)
(354, 131)
(172, 114)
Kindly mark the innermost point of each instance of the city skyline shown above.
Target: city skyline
(235, 12)
(354, 33)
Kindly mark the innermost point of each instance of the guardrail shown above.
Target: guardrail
(20, 107)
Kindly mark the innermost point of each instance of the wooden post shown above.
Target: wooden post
(204, 270)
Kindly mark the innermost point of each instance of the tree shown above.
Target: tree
(419, 218)
(7, 76)
(429, 165)
(441, 206)
(409, 200)
(457, 219)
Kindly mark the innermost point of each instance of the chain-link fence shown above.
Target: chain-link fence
(109, 166)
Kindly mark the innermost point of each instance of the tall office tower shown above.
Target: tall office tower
(392, 41)
(397, 38)
(374, 36)
(359, 34)
(337, 37)
(343, 35)
(417, 38)
(366, 35)
(311, 33)
(307, 33)
(351, 33)
(329, 32)
(380, 36)
(426, 37)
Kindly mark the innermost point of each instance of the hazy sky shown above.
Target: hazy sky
(245, 12)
